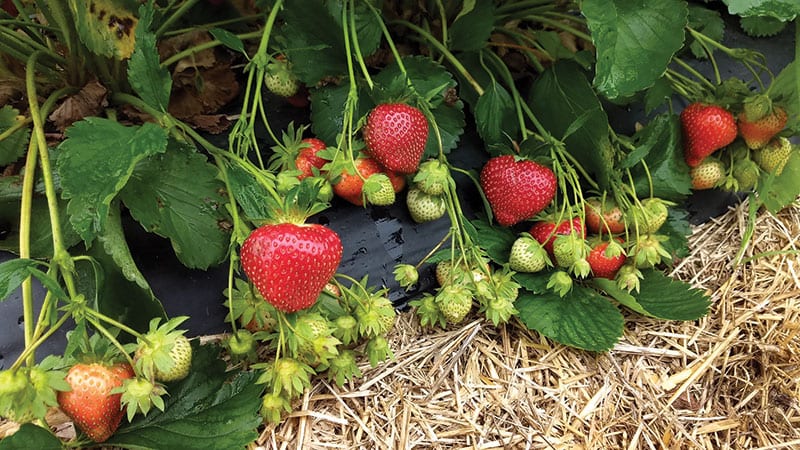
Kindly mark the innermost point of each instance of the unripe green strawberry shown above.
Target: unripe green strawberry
(424, 207)
(273, 405)
(628, 277)
(242, 346)
(287, 376)
(648, 251)
(427, 311)
(528, 255)
(650, 217)
(432, 177)
(164, 353)
(280, 80)
(308, 327)
(346, 329)
(406, 275)
(568, 249)
(454, 302)
(379, 190)
(378, 350)
(773, 157)
(708, 174)
(181, 355)
(560, 282)
(343, 367)
(746, 172)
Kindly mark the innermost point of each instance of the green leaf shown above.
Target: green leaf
(658, 145)
(95, 162)
(784, 10)
(583, 318)
(496, 241)
(658, 94)
(228, 39)
(778, 192)
(314, 43)
(761, 26)
(14, 146)
(116, 246)
(708, 22)
(152, 82)
(634, 43)
(495, 116)
(249, 194)
(211, 408)
(327, 110)
(786, 91)
(12, 273)
(534, 282)
(666, 298)
(678, 229)
(558, 98)
(41, 237)
(31, 436)
(177, 195)
(473, 26)
(106, 27)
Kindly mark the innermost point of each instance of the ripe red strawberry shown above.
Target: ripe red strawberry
(706, 129)
(395, 135)
(757, 133)
(603, 217)
(545, 232)
(517, 189)
(290, 264)
(307, 158)
(603, 264)
(90, 403)
(349, 186)
(708, 174)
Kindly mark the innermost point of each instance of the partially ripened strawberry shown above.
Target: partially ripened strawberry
(774, 156)
(517, 189)
(307, 159)
(708, 174)
(545, 231)
(603, 216)
(605, 263)
(291, 263)
(350, 185)
(424, 207)
(757, 133)
(395, 134)
(706, 129)
(90, 404)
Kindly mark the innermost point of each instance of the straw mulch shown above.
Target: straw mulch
(728, 381)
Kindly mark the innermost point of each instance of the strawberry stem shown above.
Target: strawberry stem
(354, 35)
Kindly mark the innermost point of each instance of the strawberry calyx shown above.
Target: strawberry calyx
(140, 395)
(164, 353)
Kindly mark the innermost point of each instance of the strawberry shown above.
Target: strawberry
(527, 255)
(757, 133)
(349, 185)
(280, 80)
(651, 216)
(746, 172)
(545, 232)
(454, 302)
(432, 177)
(90, 403)
(774, 156)
(605, 262)
(708, 174)
(706, 129)
(290, 264)
(603, 216)
(424, 207)
(307, 159)
(517, 189)
(164, 353)
(395, 134)
(379, 190)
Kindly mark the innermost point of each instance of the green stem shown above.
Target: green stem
(217, 24)
(183, 9)
(354, 36)
(516, 7)
(560, 26)
(204, 46)
(694, 72)
(98, 316)
(28, 352)
(62, 17)
(102, 330)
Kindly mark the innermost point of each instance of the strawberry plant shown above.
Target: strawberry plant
(567, 219)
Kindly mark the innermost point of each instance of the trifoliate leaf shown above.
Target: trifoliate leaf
(495, 116)
(105, 27)
(152, 82)
(94, 164)
(177, 195)
(658, 146)
(472, 27)
(582, 318)
(786, 90)
(761, 26)
(661, 296)
(778, 192)
(708, 22)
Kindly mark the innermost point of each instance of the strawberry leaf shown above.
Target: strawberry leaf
(91, 182)
(249, 194)
(496, 241)
(786, 91)
(472, 27)
(784, 10)
(327, 110)
(658, 94)
(12, 273)
(495, 117)
(583, 318)
(534, 282)
(708, 22)
(104, 27)
(314, 43)
(152, 82)
(177, 195)
(14, 146)
(634, 44)
(777, 192)
(31, 436)
(217, 408)
(658, 145)
(677, 229)
(229, 40)
(661, 297)
(559, 98)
